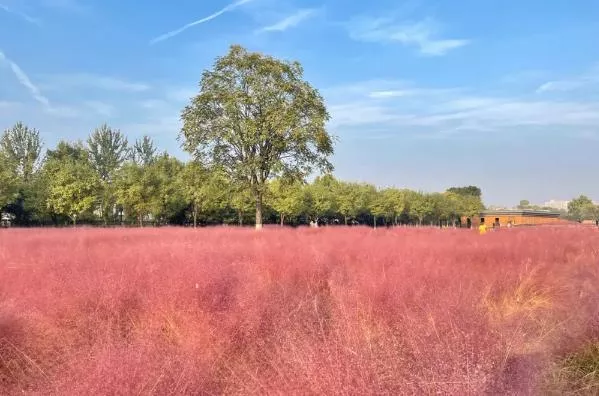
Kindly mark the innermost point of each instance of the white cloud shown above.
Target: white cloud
(423, 34)
(588, 79)
(24, 80)
(180, 30)
(389, 94)
(87, 80)
(443, 112)
(290, 21)
(20, 14)
(564, 85)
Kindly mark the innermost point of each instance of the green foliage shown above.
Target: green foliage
(21, 148)
(466, 191)
(21, 160)
(256, 118)
(143, 151)
(524, 204)
(322, 197)
(168, 199)
(353, 199)
(107, 151)
(421, 206)
(582, 208)
(73, 183)
(288, 199)
(205, 189)
(8, 183)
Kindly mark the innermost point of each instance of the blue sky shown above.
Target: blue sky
(422, 94)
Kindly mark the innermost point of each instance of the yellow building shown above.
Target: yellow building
(504, 218)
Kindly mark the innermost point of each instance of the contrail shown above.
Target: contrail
(20, 14)
(24, 80)
(173, 33)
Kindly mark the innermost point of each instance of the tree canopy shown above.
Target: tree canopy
(256, 118)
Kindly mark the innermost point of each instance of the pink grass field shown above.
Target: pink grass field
(173, 311)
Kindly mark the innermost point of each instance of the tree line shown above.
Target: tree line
(255, 132)
(107, 181)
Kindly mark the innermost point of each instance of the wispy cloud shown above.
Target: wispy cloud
(21, 15)
(445, 112)
(24, 80)
(589, 79)
(565, 85)
(290, 21)
(88, 80)
(180, 30)
(423, 34)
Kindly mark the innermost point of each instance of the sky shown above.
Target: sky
(503, 94)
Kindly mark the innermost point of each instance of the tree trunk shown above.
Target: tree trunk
(259, 211)
(141, 220)
(282, 219)
(195, 216)
(374, 221)
(74, 220)
(240, 216)
(345, 220)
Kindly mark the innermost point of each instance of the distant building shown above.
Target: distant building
(557, 205)
(516, 217)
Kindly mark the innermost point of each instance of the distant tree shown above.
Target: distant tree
(205, 189)
(581, 208)
(8, 183)
(135, 189)
(286, 198)
(73, 183)
(168, 199)
(352, 199)
(21, 148)
(466, 191)
(397, 202)
(524, 204)
(240, 200)
(108, 150)
(380, 206)
(421, 206)
(143, 151)
(257, 118)
(322, 197)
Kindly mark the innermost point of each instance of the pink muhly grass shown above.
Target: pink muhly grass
(310, 311)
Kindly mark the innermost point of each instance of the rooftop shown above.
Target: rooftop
(521, 212)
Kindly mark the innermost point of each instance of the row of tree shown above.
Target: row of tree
(107, 181)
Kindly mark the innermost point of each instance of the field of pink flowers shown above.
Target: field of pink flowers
(310, 311)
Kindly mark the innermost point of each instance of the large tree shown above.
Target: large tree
(257, 118)
(108, 150)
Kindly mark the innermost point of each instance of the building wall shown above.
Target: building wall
(516, 220)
